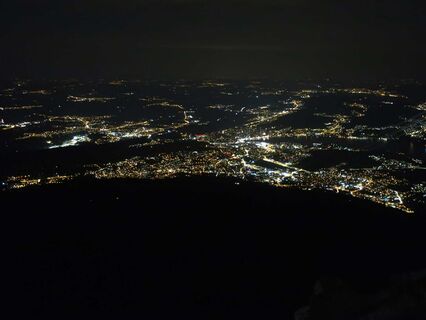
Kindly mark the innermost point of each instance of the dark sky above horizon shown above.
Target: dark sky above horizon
(284, 39)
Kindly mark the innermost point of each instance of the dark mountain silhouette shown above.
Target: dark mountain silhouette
(195, 248)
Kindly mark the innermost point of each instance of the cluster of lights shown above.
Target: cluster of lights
(258, 149)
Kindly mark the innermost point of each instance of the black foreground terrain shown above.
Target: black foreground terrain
(208, 248)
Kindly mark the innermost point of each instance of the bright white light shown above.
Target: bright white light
(264, 145)
(73, 142)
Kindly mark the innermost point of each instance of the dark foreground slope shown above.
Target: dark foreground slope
(199, 248)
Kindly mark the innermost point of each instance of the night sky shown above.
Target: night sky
(282, 39)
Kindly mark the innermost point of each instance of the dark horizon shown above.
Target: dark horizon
(170, 39)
